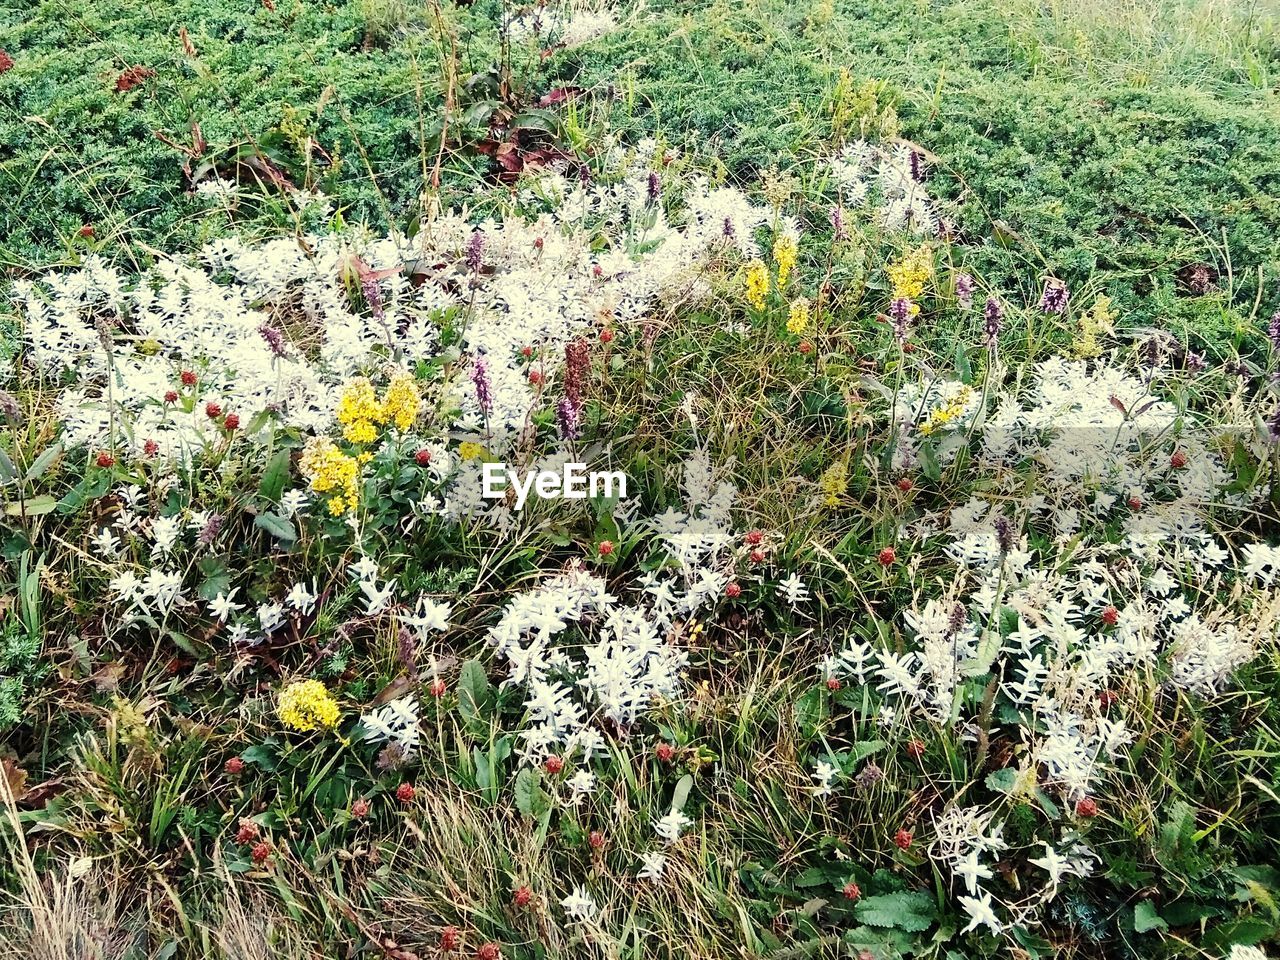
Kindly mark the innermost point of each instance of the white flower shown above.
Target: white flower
(223, 605)
(980, 913)
(293, 501)
(793, 590)
(582, 783)
(301, 599)
(429, 615)
(970, 870)
(377, 598)
(579, 905)
(653, 862)
(396, 721)
(670, 826)
(824, 773)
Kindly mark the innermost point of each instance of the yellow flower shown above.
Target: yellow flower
(946, 413)
(833, 482)
(401, 402)
(470, 450)
(359, 411)
(798, 322)
(907, 277)
(757, 283)
(785, 248)
(329, 470)
(1100, 318)
(307, 705)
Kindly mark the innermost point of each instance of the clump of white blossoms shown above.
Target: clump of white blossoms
(586, 656)
(1111, 572)
(890, 179)
(163, 350)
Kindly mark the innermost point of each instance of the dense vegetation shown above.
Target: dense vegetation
(936, 341)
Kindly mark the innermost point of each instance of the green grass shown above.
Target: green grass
(1114, 146)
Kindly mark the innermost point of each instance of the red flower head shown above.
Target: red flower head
(596, 839)
(526, 352)
(665, 752)
(188, 378)
(915, 749)
(536, 377)
(757, 556)
(360, 809)
(449, 939)
(522, 896)
(488, 951)
(833, 683)
(1107, 698)
(597, 271)
(905, 485)
(232, 422)
(405, 793)
(1135, 504)
(86, 230)
(553, 764)
(538, 243)
(754, 538)
(247, 832)
(171, 396)
(105, 459)
(261, 852)
(605, 548)
(151, 448)
(805, 347)
(887, 556)
(851, 891)
(1086, 807)
(6, 62)
(902, 839)
(422, 457)
(213, 410)
(1178, 460)
(606, 336)
(234, 766)
(437, 687)
(1110, 616)
(733, 591)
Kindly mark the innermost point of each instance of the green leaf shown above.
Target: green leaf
(35, 507)
(912, 911)
(475, 696)
(681, 795)
(1145, 918)
(44, 462)
(275, 477)
(929, 462)
(8, 471)
(531, 799)
(281, 528)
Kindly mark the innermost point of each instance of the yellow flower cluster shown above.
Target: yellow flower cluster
(401, 403)
(798, 321)
(1099, 318)
(361, 412)
(833, 482)
(757, 283)
(785, 248)
(329, 470)
(470, 450)
(947, 413)
(908, 275)
(307, 705)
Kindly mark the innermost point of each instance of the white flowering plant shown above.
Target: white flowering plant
(937, 618)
